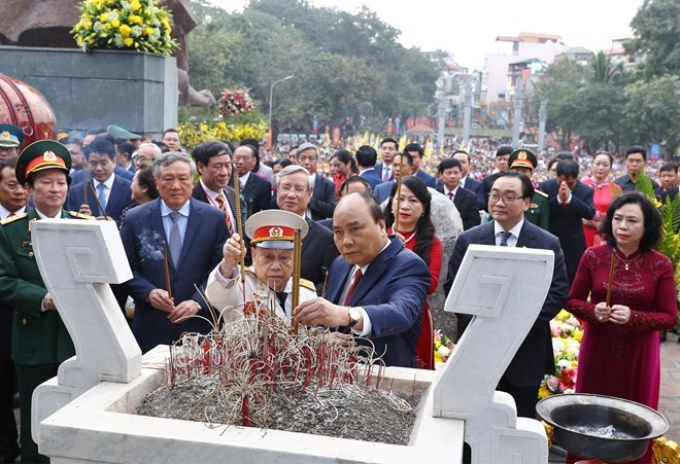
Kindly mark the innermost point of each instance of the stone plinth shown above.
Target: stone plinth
(85, 414)
(98, 427)
(89, 91)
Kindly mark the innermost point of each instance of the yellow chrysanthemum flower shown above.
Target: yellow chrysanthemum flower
(103, 17)
(128, 42)
(125, 31)
(115, 23)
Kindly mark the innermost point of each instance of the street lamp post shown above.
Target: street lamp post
(271, 96)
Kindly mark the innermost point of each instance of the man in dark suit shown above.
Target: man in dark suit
(323, 201)
(399, 168)
(502, 157)
(669, 182)
(193, 234)
(293, 191)
(634, 161)
(377, 288)
(464, 200)
(366, 157)
(388, 148)
(213, 162)
(112, 191)
(124, 152)
(467, 181)
(84, 174)
(416, 151)
(256, 191)
(510, 197)
(570, 201)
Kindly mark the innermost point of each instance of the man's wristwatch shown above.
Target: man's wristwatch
(198, 306)
(354, 316)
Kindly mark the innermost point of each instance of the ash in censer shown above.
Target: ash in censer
(256, 372)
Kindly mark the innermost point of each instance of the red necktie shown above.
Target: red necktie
(451, 196)
(222, 204)
(350, 291)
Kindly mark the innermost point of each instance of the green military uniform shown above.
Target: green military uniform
(40, 341)
(538, 213)
(525, 161)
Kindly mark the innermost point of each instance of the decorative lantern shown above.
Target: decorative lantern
(25, 107)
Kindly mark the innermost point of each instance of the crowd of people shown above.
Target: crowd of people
(370, 251)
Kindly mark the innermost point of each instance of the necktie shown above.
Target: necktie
(282, 296)
(11, 214)
(175, 242)
(451, 196)
(387, 175)
(222, 204)
(504, 238)
(350, 291)
(101, 188)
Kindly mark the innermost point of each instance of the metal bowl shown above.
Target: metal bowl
(601, 427)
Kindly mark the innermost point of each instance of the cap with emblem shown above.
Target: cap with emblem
(120, 133)
(522, 158)
(41, 155)
(10, 136)
(275, 229)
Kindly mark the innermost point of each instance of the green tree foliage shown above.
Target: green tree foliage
(559, 85)
(652, 112)
(656, 28)
(345, 64)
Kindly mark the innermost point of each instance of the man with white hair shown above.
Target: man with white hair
(294, 187)
(145, 155)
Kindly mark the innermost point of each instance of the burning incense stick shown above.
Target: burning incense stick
(166, 268)
(398, 194)
(297, 264)
(611, 279)
(99, 205)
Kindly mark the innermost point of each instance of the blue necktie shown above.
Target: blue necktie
(175, 242)
(102, 197)
(504, 238)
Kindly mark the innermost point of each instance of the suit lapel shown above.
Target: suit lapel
(527, 237)
(231, 198)
(375, 270)
(115, 196)
(155, 221)
(486, 235)
(335, 287)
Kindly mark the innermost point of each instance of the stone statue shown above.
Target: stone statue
(46, 23)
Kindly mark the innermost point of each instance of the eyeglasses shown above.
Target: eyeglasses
(509, 198)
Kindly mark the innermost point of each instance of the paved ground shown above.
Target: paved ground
(669, 403)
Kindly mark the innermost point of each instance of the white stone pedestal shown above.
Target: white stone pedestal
(460, 403)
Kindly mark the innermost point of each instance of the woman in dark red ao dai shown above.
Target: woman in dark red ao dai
(620, 350)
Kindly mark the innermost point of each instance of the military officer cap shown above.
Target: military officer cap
(275, 229)
(120, 133)
(42, 155)
(10, 136)
(522, 158)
